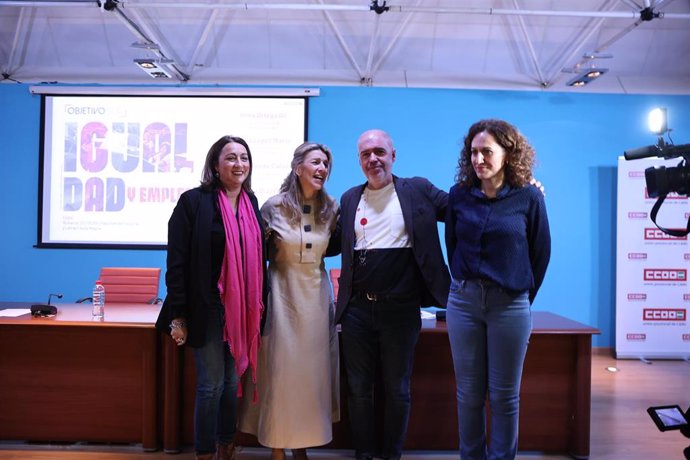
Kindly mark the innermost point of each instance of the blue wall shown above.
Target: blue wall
(578, 138)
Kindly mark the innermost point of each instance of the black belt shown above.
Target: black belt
(376, 297)
(482, 282)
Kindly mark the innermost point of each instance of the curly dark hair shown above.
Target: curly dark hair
(209, 178)
(520, 156)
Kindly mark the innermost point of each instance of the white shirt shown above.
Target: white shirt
(379, 222)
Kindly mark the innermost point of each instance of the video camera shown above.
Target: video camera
(671, 417)
(662, 180)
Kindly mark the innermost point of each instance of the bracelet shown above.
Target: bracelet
(177, 324)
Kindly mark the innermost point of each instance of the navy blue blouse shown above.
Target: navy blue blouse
(505, 239)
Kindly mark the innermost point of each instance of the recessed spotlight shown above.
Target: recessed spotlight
(587, 76)
(154, 67)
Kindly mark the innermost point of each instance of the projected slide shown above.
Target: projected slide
(114, 167)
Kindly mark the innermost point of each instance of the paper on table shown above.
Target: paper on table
(14, 312)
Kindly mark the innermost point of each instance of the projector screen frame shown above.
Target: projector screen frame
(43, 241)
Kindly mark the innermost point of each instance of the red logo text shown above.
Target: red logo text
(637, 296)
(656, 234)
(636, 336)
(663, 314)
(665, 274)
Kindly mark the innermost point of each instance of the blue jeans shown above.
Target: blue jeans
(215, 408)
(489, 330)
(385, 333)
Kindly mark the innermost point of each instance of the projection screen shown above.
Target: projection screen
(113, 167)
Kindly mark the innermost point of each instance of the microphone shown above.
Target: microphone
(642, 152)
(45, 309)
(59, 296)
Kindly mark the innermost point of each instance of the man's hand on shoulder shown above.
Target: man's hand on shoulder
(539, 185)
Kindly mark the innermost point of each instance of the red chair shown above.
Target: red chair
(129, 285)
(334, 274)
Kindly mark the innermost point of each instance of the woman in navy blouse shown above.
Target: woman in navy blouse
(498, 244)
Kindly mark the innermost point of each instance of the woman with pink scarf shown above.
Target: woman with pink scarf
(215, 290)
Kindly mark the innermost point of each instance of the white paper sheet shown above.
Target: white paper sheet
(14, 312)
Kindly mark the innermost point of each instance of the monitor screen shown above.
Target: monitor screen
(113, 167)
(668, 417)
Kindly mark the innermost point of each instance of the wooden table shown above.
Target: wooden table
(70, 378)
(555, 396)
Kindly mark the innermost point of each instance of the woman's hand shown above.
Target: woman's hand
(178, 331)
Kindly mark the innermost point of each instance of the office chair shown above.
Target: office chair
(129, 285)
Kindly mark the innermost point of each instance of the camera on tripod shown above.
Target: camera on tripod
(662, 180)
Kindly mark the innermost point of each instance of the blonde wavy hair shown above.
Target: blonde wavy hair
(291, 190)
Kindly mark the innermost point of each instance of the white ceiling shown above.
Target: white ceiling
(494, 44)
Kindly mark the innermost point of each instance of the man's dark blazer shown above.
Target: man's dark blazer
(423, 205)
(188, 275)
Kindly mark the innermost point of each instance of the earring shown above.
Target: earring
(215, 174)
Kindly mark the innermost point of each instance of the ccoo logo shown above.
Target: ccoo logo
(656, 234)
(636, 336)
(665, 274)
(663, 314)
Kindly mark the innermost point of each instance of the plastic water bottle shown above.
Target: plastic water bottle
(98, 300)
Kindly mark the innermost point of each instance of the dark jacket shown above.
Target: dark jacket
(423, 205)
(189, 271)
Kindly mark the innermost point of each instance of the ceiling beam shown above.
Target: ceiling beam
(343, 43)
(530, 48)
(11, 65)
(146, 36)
(361, 8)
(394, 40)
(368, 77)
(202, 40)
(577, 44)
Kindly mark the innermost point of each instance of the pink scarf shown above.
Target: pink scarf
(240, 284)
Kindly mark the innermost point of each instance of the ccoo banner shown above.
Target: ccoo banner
(652, 295)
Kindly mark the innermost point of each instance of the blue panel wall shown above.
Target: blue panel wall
(578, 138)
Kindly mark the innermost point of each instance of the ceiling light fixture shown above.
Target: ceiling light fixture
(154, 67)
(587, 76)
